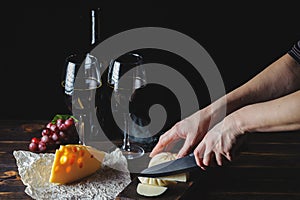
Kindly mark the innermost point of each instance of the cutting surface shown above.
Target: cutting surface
(177, 191)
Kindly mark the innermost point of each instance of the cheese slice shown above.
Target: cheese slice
(74, 162)
(150, 190)
(166, 180)
(176, 177)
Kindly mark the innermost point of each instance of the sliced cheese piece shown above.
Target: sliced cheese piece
(150, 190)
(176, 177)
(155, 181)
(166, 180)
(74, 162)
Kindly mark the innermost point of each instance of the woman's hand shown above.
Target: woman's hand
(222, 141)
(192, 129)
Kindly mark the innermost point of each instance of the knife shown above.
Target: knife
(185, 164)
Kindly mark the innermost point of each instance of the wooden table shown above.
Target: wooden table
(268, 168)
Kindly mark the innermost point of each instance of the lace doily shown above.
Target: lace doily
(106, 183)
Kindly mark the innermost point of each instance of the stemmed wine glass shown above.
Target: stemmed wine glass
(81, 78)
(125, 75)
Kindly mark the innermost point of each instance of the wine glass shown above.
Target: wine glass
(125, 75)
(81, 78)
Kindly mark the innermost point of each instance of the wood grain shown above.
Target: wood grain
(267, 168)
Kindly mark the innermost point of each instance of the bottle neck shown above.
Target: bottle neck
(88, 36)
(95, 27)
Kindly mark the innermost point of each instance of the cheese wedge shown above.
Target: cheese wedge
(74, 162)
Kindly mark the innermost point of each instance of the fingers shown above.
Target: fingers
(206, 156)
(158, 148)
(229, 156)
(164, 140)
(186, 148)
(199, 156)
(219, 159)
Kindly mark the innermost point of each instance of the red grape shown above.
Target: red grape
(33, 147)
(63, 127)
(55, 137)
(59, 122)
(46, 131)
(62, 135)
(42, 146)
(35, 140)
(54, 128)
(49, 125)
(45, 139)
(58, 142)
(69, 122)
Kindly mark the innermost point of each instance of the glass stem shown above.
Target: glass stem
(126, 142)
(81, 130)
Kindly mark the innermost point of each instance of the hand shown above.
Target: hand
(222, 141)
(192, 129)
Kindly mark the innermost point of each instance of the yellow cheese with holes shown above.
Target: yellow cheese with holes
(74, 162)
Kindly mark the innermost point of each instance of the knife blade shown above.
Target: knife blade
(185, 164)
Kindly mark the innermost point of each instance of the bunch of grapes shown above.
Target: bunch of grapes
(56, 132)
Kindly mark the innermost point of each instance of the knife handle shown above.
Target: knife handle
(191, 154)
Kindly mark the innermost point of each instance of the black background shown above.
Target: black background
(241, 37)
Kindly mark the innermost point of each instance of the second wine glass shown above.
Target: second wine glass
(125, 75)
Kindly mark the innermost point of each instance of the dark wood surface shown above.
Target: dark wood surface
(268, 168)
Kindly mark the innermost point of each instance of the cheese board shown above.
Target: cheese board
(176, 191)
